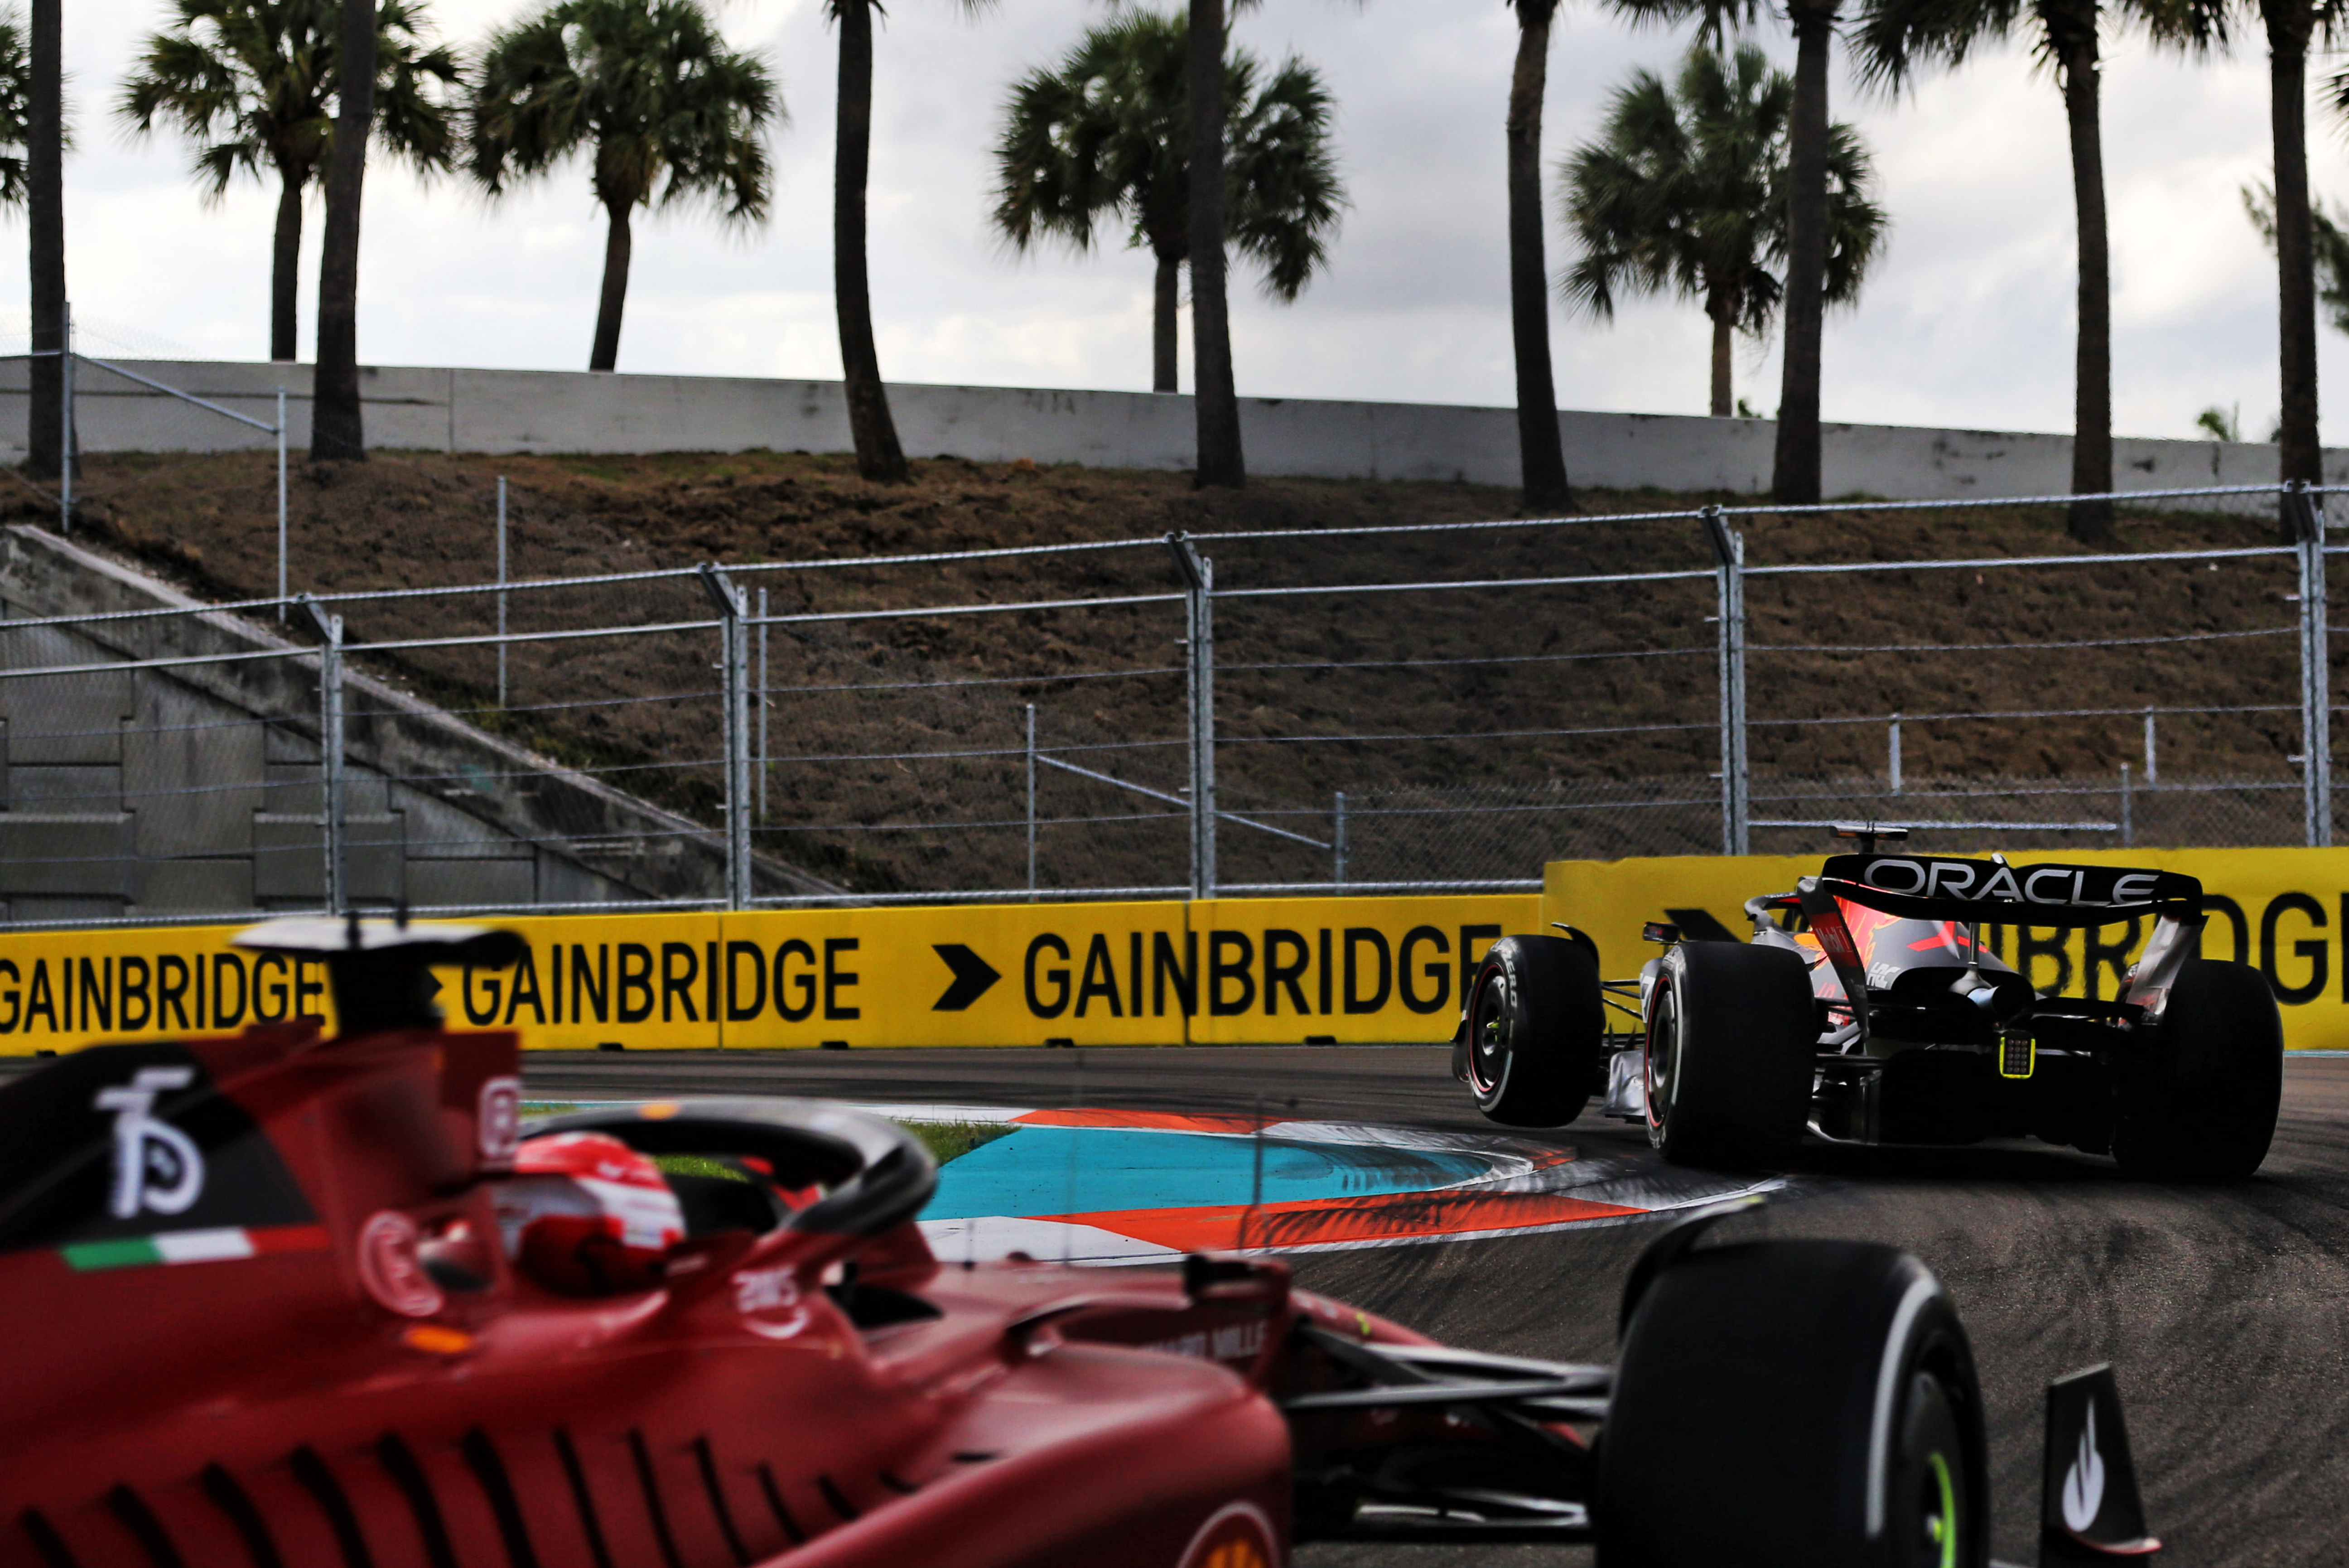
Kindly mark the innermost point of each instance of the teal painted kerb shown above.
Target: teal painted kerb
(1080, 1171)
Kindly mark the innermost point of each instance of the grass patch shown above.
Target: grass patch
(952, 1140)
(697, 1165)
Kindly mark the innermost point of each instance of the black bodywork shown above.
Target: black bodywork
(1928, 1034)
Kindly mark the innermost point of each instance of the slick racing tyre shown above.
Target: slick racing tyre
(1732, 1038)
(1794, 1404)
(2201, 1104)
(1535, 1022)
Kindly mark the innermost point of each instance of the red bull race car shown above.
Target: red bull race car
(1871, 1005)
(286, 1300)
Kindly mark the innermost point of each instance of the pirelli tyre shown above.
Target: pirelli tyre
(1732, 1037)
(1534, 1027)
(1794, 1404)
(2199, 1102)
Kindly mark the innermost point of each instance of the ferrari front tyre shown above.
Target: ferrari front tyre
(1732, 1038)
(2201, 1104)
(1794, 1404)
(1535, 1022)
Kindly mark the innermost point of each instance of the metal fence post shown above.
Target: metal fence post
(2129, 809)
(1031, 799)
(1895, 755)
(501, 590)
(764, 705)
(2316, 668)
(1338, 842)
(2152, 773)
(66, 425)
(1199, 579)
(1729, 555)
(733, 665)
(280, 504)
(330, 752)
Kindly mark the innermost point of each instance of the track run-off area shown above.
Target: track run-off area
(2225, 1308)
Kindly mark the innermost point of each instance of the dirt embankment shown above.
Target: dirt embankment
(1431, 691)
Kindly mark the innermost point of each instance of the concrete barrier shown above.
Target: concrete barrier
(453, 409)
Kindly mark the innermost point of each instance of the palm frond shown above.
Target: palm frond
(667, 112)
(1105, 132)
(1683, 192)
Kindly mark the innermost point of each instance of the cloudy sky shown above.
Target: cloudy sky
(1967, 322)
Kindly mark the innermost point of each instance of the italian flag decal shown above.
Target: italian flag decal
(194, 1247)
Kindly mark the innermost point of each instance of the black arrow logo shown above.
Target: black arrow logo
(972, 976)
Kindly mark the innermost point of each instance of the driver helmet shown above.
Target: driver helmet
(585, 1214)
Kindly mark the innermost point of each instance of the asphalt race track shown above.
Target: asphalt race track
(2225, 1308)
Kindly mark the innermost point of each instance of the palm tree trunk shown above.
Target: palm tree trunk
(285, 263)
(606, 350)
(2288, 29)
(1163, 324)
(1721, 332)
(1221, 461)
(879, 458)
(2090, 522)
(1795, 480)
(1541, 454)
(46, 218)
(336, 431)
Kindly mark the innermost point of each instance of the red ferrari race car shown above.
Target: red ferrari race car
(1868, 1008)
(277, 1300)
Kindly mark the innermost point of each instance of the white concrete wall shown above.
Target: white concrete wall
(574, 411)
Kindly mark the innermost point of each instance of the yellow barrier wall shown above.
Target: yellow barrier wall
(2285, 910)
(1223, 972)
(1357, 970)
(1097, 974)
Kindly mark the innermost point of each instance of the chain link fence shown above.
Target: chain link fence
(1311, 709)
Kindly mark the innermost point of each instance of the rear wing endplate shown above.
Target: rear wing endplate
(2090, 1510)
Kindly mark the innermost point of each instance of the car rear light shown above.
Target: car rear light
(2017, 1054)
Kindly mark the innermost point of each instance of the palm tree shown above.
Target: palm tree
(1794, 479)
(1541, 451)
(879, 457)
(1893, 36)
(2292, 26)
(1107, 131)
(44, 211)
(252, 84)
(337, 431)
(1685, 190)
(671, 112)
(1795, 468)
(16, 107)
(1215, 402)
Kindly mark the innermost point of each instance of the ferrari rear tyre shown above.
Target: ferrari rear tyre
(2201, 1105)
(1536, 1022)
(1794, 1404)
(1732, 1038)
